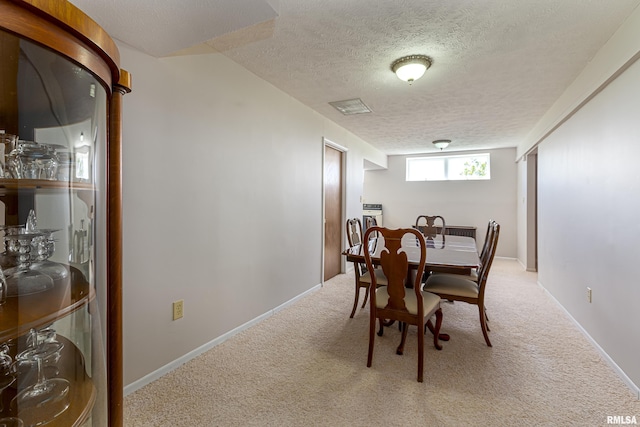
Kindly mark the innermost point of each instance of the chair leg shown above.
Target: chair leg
(382, 325)
(483, 324)
(366, 296)
(436, 330)
(400, 348)
(441, 337)
(355, 302)
(372, 337)
(420, 354)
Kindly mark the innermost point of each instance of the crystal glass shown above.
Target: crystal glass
(30, 160)
(21, 280)
(42, 248)
(7, 145)
(47, 397)
(11, 422)
(3, 288)
(6, 376)
(43, 401)
(42, 342)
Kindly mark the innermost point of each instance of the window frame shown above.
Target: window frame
(411, 177)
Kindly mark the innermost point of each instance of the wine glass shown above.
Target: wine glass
(24, 368)
(47, 398)
(43, 401)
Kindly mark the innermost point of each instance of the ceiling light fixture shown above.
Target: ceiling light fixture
(411, 68)
(442, 143)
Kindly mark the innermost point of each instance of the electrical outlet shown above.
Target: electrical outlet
(589, 295)
(178, 309)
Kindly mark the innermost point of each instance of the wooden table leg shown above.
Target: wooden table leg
(443, 337)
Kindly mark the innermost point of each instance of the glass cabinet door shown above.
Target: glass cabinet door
(53, 137)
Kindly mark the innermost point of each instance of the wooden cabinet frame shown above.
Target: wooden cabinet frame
(60, 26)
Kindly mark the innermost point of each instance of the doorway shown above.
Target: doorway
(333, 182)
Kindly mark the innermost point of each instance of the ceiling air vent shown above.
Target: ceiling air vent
(351, 106)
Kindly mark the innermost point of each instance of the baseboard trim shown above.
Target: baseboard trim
(623, 376)
(153, 376)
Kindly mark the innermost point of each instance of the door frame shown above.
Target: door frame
(532, 210)
(343, 167)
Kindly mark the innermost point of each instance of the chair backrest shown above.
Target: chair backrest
(395, 266)
(354, 231)
(370, 222)
(487, 241)
(354, 236)
(431, 225)
(491, 252)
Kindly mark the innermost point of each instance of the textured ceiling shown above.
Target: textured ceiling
(162, 27)
(498, 65)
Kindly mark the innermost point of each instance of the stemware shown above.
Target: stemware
(7, 145)
(48, 397)
(3, 288)
(42, 342)
(6, 376)
(42, 249)
(43, 401)
(21, 280)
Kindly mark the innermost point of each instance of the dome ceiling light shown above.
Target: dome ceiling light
(442, 143)
(411, 68)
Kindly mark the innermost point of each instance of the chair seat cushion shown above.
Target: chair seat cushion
(430, 302)
(451, 284)
(381, 279)
(472, 276)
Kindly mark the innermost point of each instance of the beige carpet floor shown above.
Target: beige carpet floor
(306, 366)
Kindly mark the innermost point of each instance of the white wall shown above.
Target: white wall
(222, 202)
(589, 205)
(467, 203)
(587, 199)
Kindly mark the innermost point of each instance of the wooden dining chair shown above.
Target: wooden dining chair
(473, 274)
(401, 301)
(431, 225)
(362, 277)
(460, 288)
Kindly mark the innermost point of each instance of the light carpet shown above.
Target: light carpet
(306, 366)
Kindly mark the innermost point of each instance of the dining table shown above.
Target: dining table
(445, 254)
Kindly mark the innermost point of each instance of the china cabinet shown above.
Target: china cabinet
(61, 89)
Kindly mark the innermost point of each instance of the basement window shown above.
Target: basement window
(449, 168)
